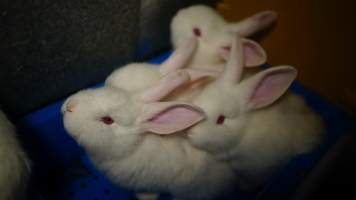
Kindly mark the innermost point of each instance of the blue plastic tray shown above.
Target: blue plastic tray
(63, 171)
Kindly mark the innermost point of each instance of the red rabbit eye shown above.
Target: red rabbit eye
(197, 31)
(107, 120)
(227, 48)
(220, 119)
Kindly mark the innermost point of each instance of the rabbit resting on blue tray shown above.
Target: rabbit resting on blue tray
(140, 143)
(144, 134)
(215, 34)
(253, 123)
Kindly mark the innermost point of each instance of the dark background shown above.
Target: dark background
(50, 49)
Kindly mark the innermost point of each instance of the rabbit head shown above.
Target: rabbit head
(214, 33)
(229, 100)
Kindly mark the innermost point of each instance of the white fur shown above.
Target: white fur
(194, 52)
(137, 159)
(134, 76)
(14, 164)
(208, 54)
(216, 33)
(257, 137)
(213, 37)
(139, 76)
(257, 142)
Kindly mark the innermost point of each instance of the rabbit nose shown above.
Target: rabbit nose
(69, 105)
(69, 108)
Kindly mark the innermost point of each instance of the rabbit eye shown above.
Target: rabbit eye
(197, 31)
(220, 119)
(107, 120)
(227, 48)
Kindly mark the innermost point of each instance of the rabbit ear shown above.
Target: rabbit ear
(196, 74)
(266, 87)
(235, 63)
(254, 54)
(253, 24)
(165, 86)
(170, 117)
(179, 57)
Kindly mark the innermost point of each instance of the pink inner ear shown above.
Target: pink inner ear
(225, 52)
(271, 87)
(253, 55)
(174, 119)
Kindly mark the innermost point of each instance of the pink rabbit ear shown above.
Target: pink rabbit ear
(267, 86)
(235, 63)
(167, 118)
(254, 54)
(253, 24)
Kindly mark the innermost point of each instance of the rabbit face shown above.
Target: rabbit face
(214, 33)
(229, 100)
(102, 118)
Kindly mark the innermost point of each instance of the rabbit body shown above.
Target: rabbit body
(208, 51)
(252, 122)
(134, 76)
(273, 135)
(133, 155)
(260, 142)
(170, 165)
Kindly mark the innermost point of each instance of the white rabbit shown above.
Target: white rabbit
(14, 164)
(210, 54)
(138, 76)
(140, 143)
(215, 35)
(253, 123)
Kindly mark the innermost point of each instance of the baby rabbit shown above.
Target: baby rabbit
(139, 76)
(140, 143)
(14, 164)
(254, 123)
(215, 34)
